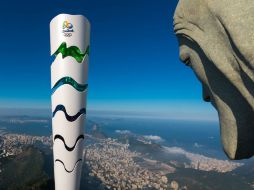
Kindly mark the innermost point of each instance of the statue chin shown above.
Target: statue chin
(236, 130)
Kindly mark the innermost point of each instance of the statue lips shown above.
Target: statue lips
(216, 41)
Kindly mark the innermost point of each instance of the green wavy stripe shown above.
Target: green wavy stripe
(72, 51)
(70, 81)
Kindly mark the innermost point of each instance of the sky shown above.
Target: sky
(134, 59)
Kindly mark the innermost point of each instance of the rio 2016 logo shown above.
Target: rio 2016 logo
(67, 29)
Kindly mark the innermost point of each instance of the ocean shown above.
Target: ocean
(194, 136)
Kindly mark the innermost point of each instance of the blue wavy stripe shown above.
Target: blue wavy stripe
(69, 171)
(67, 147)
(69, 81)
(70, 118)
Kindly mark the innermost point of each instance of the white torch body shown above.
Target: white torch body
(69, 40)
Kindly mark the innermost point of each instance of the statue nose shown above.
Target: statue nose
(206, 96)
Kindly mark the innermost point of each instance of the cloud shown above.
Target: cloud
(174, 150)
(204, 163)
(196, 145)
(153, 138)
(123, 132)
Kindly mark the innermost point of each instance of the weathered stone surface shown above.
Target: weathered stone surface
(216, 39)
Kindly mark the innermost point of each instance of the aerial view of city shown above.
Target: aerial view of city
(120, 157)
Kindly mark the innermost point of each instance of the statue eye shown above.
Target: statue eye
(187, 62)
(185, 58)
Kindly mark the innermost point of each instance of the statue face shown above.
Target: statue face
(206, 48)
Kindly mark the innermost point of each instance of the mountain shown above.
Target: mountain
(24, 171)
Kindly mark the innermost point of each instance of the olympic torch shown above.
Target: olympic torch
(69, 41)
